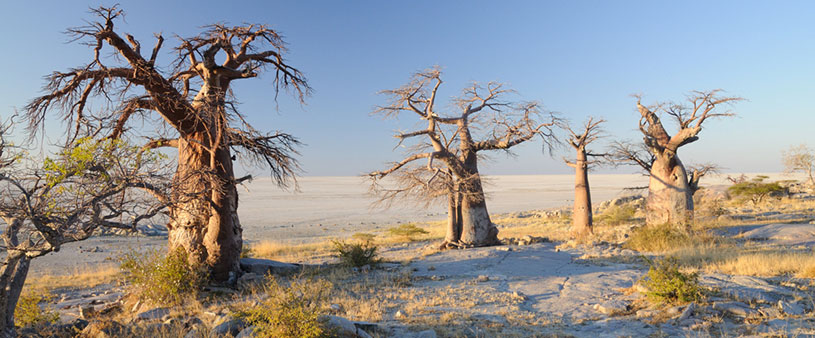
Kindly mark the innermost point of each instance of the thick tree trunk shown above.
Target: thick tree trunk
(205, 223)
(670, 199)
(477, 228)
(12, 278)
(581, 215)
(453, 218)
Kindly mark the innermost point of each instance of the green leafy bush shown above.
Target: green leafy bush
(356, 254)
(162, 279)
(666, 284)
(756, 189)
(292, 311)
(616, 215)
(29, 313)
(659, 238)
(408, 231)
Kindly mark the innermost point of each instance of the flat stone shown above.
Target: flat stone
(344, 327)
(735, 308)
(687, 312)
(611, 307)
(248, 332)
(153, 314)
(793, 309)
(265, 266)
(229, 327)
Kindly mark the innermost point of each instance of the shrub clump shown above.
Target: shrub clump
(659, 238)
(408, 231)
(616, 215)
(162, 279)
(356, 254)
(666, 284)
(28, 312)
(292, 311)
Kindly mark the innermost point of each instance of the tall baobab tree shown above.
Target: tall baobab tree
(670, 191)
(92, 185)
(203, 124)
(582, 214)
(449, 139)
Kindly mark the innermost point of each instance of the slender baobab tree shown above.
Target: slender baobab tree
(451, 150)
(800, 158)
(202, 124)
(94, 184)
(670, 191)
(582, 214)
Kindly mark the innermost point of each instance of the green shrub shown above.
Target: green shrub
(356, 254)
(162, 279)
(616, 215)
(756, 190)
(666, 284)
(292, 311)
(29, 313)
(659, 238)
(408, 231)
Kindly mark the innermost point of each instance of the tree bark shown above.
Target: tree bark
(12, 278)
(582, 213)
(453, 217)
(476, 227)
(670, 199)
(205, 222)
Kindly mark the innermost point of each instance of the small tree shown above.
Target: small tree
(582, 214)
(756, 189)
(800, 158)
(670, 194)
(66, 199)
(451, 150)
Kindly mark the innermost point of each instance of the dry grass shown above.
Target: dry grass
(86, 277)
(747, 259)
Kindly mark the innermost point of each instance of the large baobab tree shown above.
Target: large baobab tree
(193, 103)
(670, 190)
(451, 150)
(92, 185)
(582, 213)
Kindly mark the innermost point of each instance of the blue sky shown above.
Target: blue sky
(578, 58)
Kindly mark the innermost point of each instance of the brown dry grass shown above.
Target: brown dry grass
(86, 277)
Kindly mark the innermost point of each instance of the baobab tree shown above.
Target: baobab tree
(451, 150)
(203, 124)
(582, 213)
(670, 190)
(94, 184)
(800, 158)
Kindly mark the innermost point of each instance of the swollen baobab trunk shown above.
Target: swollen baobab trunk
(205, 221)
(670, 199)
(581, 215)
(476, 227)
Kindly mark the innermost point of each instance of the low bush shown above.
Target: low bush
(289, 311)
(666, 284)
(29, 313)
(660, 238)
(408, 231)
(162, 279)
(356, 254)
(616, 215)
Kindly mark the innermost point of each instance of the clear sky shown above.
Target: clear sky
(578, 58)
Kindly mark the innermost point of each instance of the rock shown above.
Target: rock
(687, 312)
(248, 279)
(335, 308)
(482, 278)
(790, 308)
(248, 332)
(343, 327)
(646, 313)
(265, 266)
(153, 314)
(425, 334)
(745, 288)
(735, 308)
(611, 307)
(104, 329)
(229, 327)
(770, 312)
(87, 312)
(399, 315)
(519, 296)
